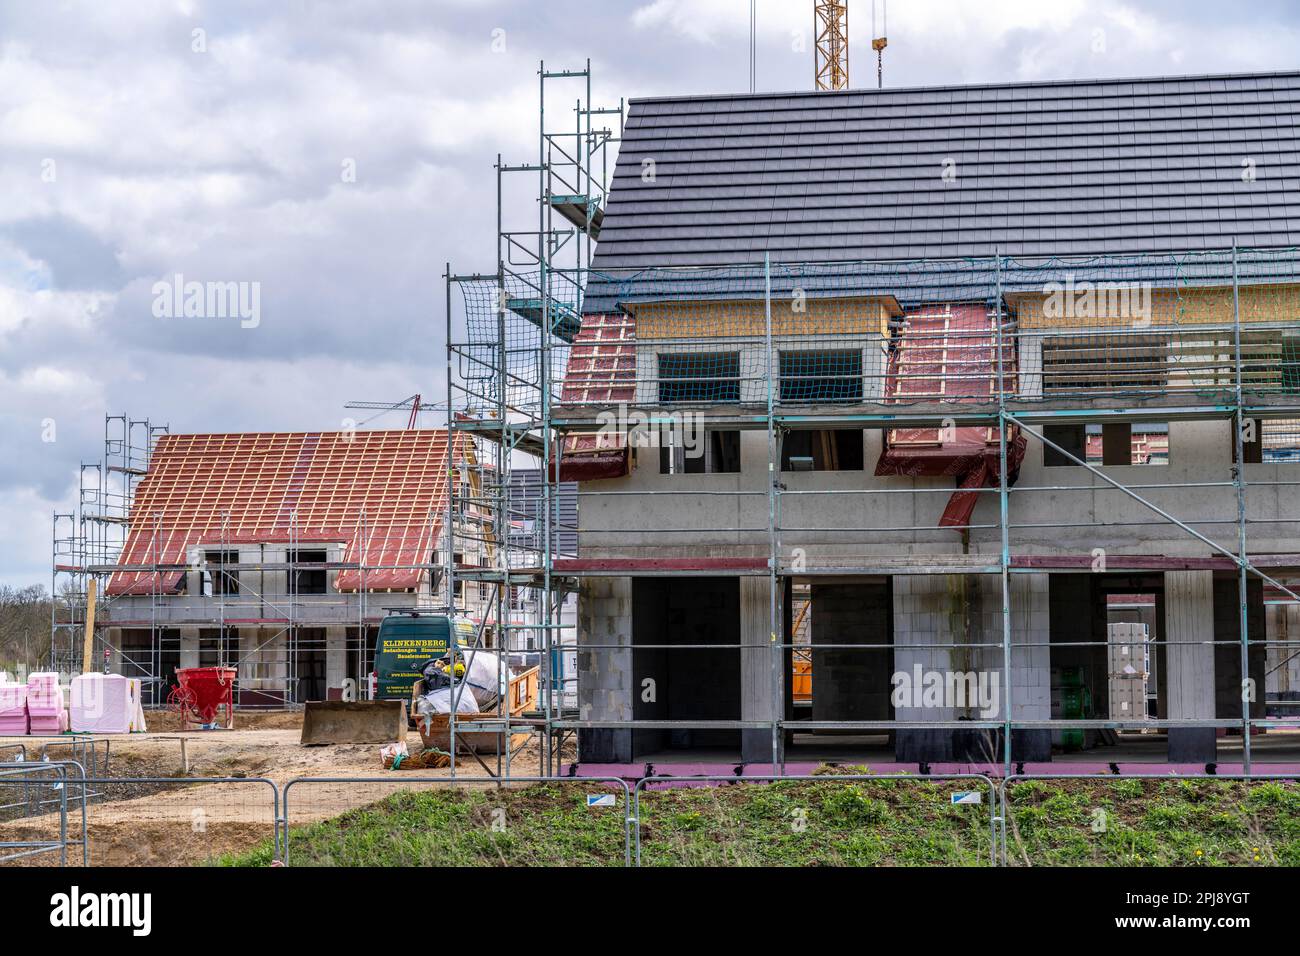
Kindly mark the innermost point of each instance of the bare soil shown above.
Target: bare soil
(184, 823)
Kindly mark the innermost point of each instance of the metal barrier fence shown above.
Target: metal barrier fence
(839, 818)
(473, 821)
(827, 819)
(90, 753)
(40, 790)
(1202, 819)
(143, 821)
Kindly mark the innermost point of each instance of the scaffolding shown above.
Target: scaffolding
(957, 366)
(173, 559)
(88, 539)
(500, 384)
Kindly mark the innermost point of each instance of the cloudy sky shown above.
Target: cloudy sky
(338, 152)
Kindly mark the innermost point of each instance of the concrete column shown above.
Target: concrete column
(760, 698)
(114, 638)
(189, 647)
(967, 609)
(1030, 679)
(336, 663)
(1189, 667)
(920, 611)
(605, 680)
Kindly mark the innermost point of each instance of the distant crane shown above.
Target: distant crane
(412, 402)
(879, 40)
(831, 29)
(831, 32)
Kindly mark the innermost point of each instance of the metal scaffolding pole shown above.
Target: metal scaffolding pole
(1003, 522)
(1239, 480)
(777, 654)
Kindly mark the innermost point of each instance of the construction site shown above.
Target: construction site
(946, 433)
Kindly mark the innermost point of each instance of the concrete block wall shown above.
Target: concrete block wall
(1189, 663)
(263, 659)
(761, 698)
(1099, 516)
(336, 651)
(1031, 697)
(1283, 660)
(949, 609)
(606, 683)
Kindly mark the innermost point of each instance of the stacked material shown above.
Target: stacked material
(13, 710)
(45, 711)
(106, 704)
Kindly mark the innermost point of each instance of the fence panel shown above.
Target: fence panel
(160, 821)
(31, 789)
(824, 819)
(1150, 820)
(437, 821)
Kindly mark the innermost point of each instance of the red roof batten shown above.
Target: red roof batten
(381, 494)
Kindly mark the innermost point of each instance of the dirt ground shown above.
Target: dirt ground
(185, 824)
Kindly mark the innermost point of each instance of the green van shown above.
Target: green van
(406, 640)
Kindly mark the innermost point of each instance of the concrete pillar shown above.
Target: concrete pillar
(920, 621)
(967, 609)
(1189, 667)
(605, 680)
(760, 697)
(336, 663)
(1031, 693)
(113, 636)
(189, 647)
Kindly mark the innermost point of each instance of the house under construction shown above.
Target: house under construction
(955, 424)
(275, 553)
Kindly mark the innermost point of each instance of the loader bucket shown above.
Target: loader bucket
(353, 722)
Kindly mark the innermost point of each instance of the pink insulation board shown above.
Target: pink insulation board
(13, 710)
(106, 704)
(45, 711)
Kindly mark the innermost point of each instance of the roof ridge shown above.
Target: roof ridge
(1006, 84)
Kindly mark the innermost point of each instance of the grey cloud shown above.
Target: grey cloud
(226, 166)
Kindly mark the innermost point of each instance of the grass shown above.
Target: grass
(1154, 823)
(882, 822)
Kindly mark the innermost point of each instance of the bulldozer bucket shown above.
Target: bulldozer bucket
(353, 722)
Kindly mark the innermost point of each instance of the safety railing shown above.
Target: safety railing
(34, 809)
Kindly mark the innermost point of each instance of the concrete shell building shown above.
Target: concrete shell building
(911, 424)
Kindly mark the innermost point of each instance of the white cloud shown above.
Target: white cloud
(226, 165)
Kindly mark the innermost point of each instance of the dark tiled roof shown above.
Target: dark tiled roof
(1041, 170)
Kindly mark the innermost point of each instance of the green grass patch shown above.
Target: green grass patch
(1202, 822)
(886, 821)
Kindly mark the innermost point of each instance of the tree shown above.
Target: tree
(24, 626)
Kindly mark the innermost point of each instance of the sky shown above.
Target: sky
(328, 157)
